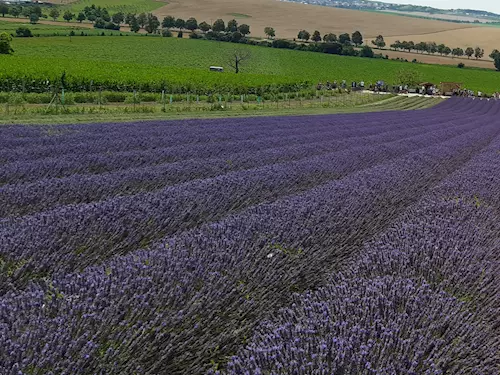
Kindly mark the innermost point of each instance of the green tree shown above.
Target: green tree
(92, 17)
(152, 23)
(54, 13)
(4, 9)
(497, 62)
(5, 47)
(330, 38)
(81, 17)
(494, 54)
(410, 77)
(203, 26)
(134, 24)
(142, 19)
(421, 47)
(478, 53)
(23, 32)
(446, 50)
(316, 37)
(99, 23)
(357, 38)
(232, 26)
(236, 37)
(244, 29)
(34, 18)
(192, 24)
(180, 23)
(118, 18)
(270, 32)
(128, 18)
(16, 11)
(68, 16)
(304, 35)
(469, 51)
(344, 39)
(379, 42)
(441, 48)
(366, 52)
(219, 26)
(431, 47)
(168, 22)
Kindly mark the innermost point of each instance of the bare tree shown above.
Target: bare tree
(237, 57)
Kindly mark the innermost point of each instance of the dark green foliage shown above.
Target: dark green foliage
(23, 32)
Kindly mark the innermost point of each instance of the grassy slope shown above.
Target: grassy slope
(144, 59)
(118, 113)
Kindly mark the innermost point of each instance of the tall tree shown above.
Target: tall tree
(134, 24)
(16, 11)
(469, 51)
(270, 32)
(379, 41)
(118, 18)
(316, 37)
(219, 26)
(54, 13)
(446, 50)
(232, 26)
(204, 26)
(191, 24)
(34, 18)
(168, 22)
(244, 29)
(330, 38)
(344, 39)
(494, 54)
(237, 58)
(152, 23)
(68, 16)
(4, 9)
(81, 17)
(478, 53)
(304, 35)
(180, 23)
(357, 38)
(5, 47)
(431, 47)
(497, 62)
(142, 18)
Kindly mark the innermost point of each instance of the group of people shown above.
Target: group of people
(343, 85)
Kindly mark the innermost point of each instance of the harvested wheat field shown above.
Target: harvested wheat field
(486, 62)
(288, 18)
(487, 38)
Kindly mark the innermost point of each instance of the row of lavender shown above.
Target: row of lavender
(185, 304)
(71, 237)
(423, 298)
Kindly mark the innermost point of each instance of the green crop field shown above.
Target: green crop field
(181, 65)
(113, 6)
(51, 30)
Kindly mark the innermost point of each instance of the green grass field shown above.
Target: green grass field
(139, 62)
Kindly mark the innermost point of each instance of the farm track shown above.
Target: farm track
(235, 247)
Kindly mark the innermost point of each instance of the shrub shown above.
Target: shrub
(180, 34)
(23, 32)
(166, 33)
(461, 65)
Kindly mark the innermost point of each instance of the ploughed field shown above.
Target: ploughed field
(340, 244)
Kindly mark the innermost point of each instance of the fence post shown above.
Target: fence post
(163, 101)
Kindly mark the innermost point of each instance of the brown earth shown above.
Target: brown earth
(288, 18)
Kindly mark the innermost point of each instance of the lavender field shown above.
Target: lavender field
(337, 245)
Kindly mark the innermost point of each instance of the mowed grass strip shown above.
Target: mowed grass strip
(138, 60)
